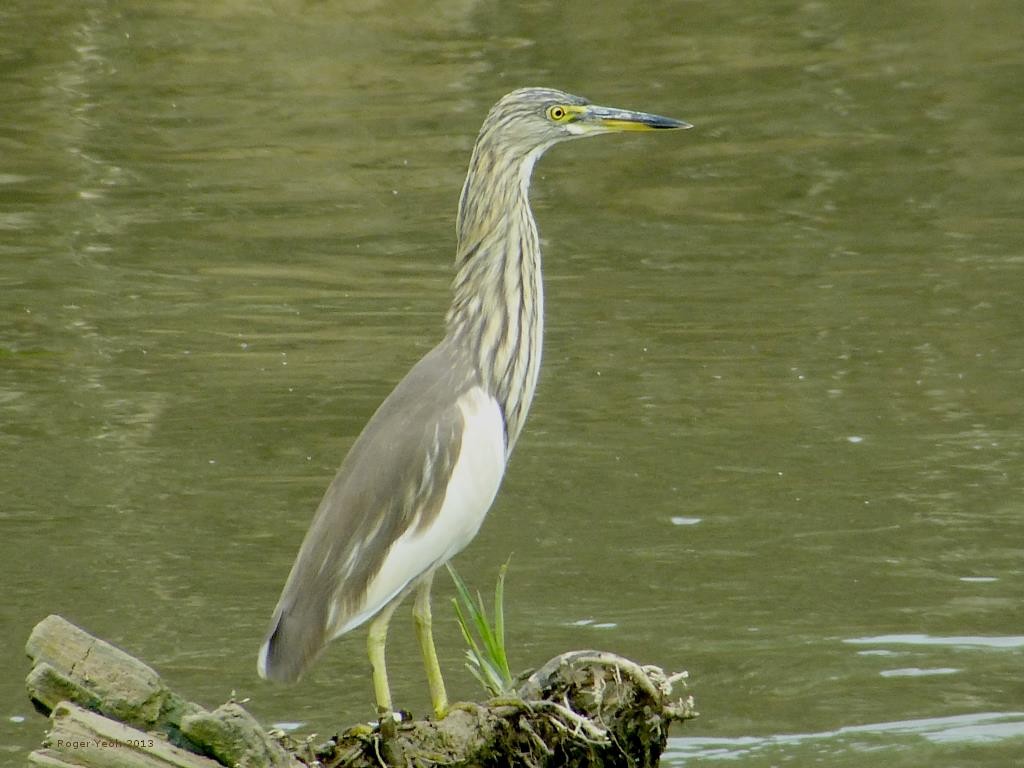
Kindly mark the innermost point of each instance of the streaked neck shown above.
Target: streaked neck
(497, 311)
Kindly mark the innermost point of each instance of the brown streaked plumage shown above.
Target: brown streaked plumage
(419, 480)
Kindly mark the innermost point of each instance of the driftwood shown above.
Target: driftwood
(107, 708)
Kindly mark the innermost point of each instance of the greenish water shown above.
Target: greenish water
(778, 436)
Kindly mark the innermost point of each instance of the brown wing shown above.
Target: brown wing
(393, 478)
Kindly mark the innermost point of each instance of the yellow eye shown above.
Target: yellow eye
(557, 113)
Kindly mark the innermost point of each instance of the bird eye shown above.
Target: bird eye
(557, 113)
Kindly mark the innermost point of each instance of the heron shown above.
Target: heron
(419, 479)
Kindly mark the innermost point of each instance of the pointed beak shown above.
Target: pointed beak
(610, 119)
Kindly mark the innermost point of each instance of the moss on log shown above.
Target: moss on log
(107, 708)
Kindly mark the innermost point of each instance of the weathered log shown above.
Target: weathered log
(71, 667)
(583, 708)
(80, 737)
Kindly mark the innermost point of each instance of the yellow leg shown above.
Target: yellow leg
(375, 642)
(424, 631)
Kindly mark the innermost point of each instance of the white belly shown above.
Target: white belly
(474, 483)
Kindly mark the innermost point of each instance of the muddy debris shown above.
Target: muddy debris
(583, 708)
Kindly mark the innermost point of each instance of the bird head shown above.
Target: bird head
(529, 120)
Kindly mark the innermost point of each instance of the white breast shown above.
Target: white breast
(474, 483)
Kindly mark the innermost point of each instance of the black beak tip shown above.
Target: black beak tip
(681, 125)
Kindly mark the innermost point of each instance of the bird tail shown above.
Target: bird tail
(290, 647)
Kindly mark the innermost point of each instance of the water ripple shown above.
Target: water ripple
(971, 729)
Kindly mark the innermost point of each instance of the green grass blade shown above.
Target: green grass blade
(486, 656)
(499, 621)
